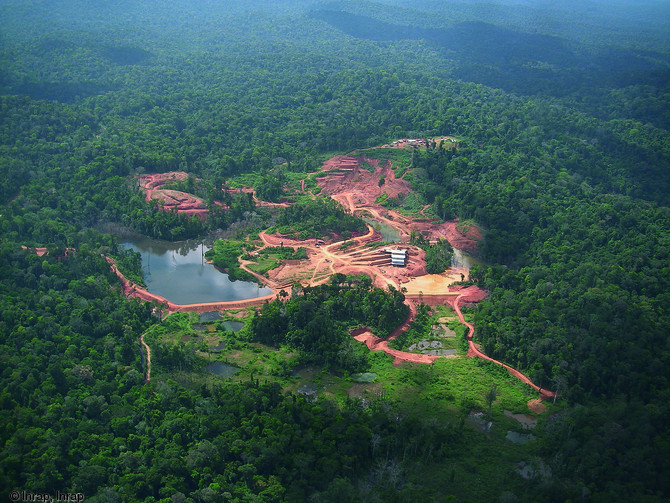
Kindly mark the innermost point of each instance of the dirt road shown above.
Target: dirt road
(358, 190)
(147, 350)
(475, 351)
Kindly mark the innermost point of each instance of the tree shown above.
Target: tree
(491, 396)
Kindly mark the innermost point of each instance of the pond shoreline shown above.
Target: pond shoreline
(132, 290)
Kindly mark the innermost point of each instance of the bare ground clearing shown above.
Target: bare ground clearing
(154, 188)
(358, 190)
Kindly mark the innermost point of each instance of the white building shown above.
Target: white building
(398, 257)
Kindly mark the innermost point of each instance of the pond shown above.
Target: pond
(388, 233)
(210, 316)
(222, 369)
(232, 326)
(229, 325)
(463, 260)
(179, 273)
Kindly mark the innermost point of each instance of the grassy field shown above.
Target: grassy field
(263, 264)
(473, 464)
(457, 384)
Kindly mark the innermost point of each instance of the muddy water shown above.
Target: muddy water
(463, 260)
(178, 272)
(387, 232)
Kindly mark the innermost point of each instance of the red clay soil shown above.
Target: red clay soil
(374, 343)
(344, 176)
(40, 251)
(358, 189)
(469, 294)
(327, 259)
(535, 405)
(460, 295)
(475, 349)
(152, 185)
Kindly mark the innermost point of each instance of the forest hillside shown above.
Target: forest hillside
(561, 114)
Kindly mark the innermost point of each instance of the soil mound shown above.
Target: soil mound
(537, 406)
(469, 294)
(153, 187)
(355, 181)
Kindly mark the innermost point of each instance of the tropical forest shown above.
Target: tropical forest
(335, 251)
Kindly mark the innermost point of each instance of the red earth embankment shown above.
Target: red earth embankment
(458, 297)
(374, 343)
(153, 187)
(133, 290)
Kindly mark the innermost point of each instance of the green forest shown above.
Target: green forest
(562, 116)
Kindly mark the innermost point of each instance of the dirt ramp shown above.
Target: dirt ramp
(470, 294)
(357, 183)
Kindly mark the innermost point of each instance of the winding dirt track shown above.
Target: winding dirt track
(474, 350)
(374, 343)
(147, 349)
(357, 190)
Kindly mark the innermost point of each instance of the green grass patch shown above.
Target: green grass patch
(382, 198)
(410, 204)
(401, 159)
(378, 244)
(271, 257)
(224, 255)
(366, 166)
(284, 252)
(264, 264)
(460, 383)
(249, 179)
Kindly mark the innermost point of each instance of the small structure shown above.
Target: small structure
(398, 257)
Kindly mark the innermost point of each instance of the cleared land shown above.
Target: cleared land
(357, 183)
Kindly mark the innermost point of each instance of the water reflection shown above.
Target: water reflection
(178, 272)
(387, 232)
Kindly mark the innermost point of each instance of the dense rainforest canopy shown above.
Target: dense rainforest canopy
(562, 114)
